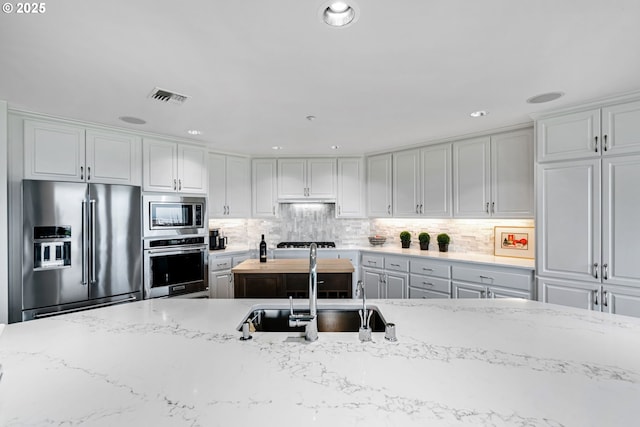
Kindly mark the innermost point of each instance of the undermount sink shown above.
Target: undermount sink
(330, 319)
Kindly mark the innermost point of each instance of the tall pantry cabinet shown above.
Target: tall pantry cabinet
(588, 202)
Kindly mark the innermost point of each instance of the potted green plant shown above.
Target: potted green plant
(424, 239)
(443, 242)
(405, 239)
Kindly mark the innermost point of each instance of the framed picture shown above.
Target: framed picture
(516, 242)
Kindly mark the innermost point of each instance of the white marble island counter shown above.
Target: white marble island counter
(457, 362)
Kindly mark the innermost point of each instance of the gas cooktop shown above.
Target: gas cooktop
(302, 245)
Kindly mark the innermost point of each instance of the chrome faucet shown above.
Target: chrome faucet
(364, 333)
(310, 321)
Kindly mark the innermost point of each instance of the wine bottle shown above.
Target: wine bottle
(263, 250)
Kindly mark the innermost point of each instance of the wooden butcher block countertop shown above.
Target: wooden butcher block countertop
(337, 265)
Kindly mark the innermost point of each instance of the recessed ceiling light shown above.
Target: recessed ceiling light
(194, 132)
(545, 97)
(338, 14)
(335, 147)
(480, 113)
(132, 120)
(276, 147)
(311, 118)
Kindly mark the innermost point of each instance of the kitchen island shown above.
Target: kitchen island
(283, 278)
(175, 362)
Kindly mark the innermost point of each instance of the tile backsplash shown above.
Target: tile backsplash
(316, 221)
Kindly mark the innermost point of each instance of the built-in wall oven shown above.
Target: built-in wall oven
(176, 266)
(175, 246)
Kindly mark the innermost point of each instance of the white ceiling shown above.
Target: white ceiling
(407, 72)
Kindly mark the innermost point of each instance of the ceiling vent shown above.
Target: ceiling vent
(167, 96)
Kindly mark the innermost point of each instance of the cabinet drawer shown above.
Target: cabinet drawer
(430, 283)
(430, 268)
(492, 277)
(396, 264)
(217, 264)
(373, 261)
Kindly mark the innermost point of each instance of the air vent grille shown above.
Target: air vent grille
(164, 95)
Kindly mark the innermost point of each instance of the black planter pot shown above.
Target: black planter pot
(424, 246)
(405, 243)
(444, 247)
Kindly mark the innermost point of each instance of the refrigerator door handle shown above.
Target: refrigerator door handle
(85, 229)
(92, 276)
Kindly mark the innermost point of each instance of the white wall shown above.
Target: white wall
(4, 277)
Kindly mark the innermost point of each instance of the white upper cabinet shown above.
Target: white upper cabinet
(306, 179)
(406, 183)
(512, 166)
(422, 182)
(379, 186)
(493, 176)
(172, 167)
(472, 178)
(62, 152)
(350, 201)
(435, 184)
(589, 134)
(264, 188)
(229, 186)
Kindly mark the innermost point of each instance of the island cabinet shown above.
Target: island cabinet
(284, 278)
(486, 281)
(64, 152)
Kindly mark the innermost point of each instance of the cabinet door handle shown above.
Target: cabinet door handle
(486, 209)
(274, 209)
(421, 208)
(179, 184)
(486, 277)
(394, 265)
(88, 173)
(493, 207)
(427, 269)
(595, 270)
(605, 271)
(81, 172)
(372, 262)
(489, 293)
(427, 283)
(339, 210)
(389, 209)
(596, 144)
(604, 142)
(605, 299)
(175, 185)
(418, 208)
(595, 296)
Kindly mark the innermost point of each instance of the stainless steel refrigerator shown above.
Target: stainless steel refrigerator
(82, 246)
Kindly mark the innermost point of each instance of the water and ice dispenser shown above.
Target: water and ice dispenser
(51, 247)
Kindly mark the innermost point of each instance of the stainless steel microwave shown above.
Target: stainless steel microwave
(168, 215)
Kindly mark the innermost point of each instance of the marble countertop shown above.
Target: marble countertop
(175, 362)
(390, 249)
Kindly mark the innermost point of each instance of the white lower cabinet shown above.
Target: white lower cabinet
(491, 282)
(385, 276)
(220, 276)
(429, 279)
(591, 296)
